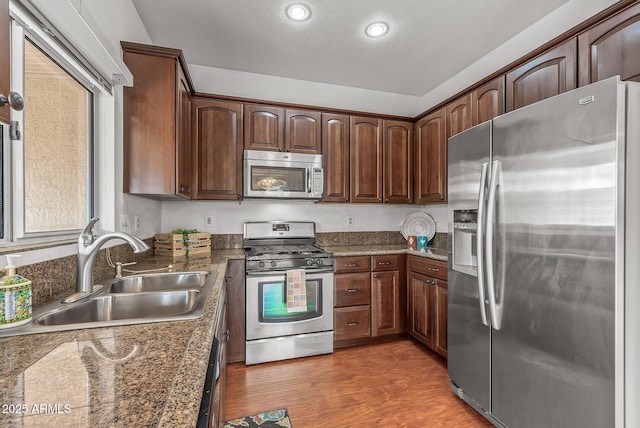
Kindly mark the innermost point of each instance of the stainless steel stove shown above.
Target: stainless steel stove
(273, 332)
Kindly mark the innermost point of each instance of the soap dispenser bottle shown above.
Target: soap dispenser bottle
(15, 297)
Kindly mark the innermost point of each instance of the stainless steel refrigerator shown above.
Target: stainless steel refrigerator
(544, 261)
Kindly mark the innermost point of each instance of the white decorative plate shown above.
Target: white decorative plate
(417, 224)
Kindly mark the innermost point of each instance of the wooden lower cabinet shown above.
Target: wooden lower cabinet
(234, 279)
(369, 299)
(421, 296)
(427, 302)
(386, 316)
(352, 322)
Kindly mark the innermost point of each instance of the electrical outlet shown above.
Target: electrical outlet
(137, 224)
(124, 222)
(349, 221)
(208, 221)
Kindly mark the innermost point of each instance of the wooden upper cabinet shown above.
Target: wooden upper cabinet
(217, 136)
(458, 115)
(430, 153)
(276, 129)
(397, 157)
(263, 127)
(184, 151)
(5, 67)
(302, 134)
(366, 159)
(549, 74)
(335, 153)
(611, 48)
(487, 101)
(157, 152)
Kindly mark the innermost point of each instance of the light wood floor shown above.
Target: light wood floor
(396, 384)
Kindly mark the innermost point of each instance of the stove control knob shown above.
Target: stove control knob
(261, 265)
(273, 263)
(319, 261)
(309, 262)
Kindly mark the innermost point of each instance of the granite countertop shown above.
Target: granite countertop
(375, 250)
(145, 375)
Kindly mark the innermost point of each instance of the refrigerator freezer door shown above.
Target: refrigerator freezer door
(553, 358)
(468, 337)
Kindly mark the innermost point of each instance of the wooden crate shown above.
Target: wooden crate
(173, 244)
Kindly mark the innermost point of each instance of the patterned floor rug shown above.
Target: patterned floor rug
(273, 419)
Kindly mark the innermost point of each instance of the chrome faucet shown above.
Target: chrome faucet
(88, 247)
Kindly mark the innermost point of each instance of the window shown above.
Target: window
(49, 194)
(57, 146)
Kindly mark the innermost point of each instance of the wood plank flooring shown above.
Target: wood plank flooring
(395, 384)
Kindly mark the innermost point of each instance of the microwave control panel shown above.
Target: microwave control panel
(317, 181)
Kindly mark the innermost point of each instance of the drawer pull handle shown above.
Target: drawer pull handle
(353, 324)
(432, 269)
(352, 265)
(352, 290)
(385, 263)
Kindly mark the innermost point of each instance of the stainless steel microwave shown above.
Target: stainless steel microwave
(282, 175)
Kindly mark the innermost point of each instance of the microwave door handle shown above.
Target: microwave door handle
(309, 180)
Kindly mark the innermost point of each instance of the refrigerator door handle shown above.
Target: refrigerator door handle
(495, 309)
(480, 243)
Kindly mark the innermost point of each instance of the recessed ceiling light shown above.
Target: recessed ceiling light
(298, 12)
(377, 29)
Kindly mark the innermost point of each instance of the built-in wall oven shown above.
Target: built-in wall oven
(273, 330)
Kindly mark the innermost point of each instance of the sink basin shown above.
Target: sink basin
(123, 307)
(159, 282)
(135, 299)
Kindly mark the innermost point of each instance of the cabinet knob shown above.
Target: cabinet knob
(239, 196)
(442, 198)
(288, 150)
(386, 200)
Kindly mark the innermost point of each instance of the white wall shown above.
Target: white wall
(228, 217)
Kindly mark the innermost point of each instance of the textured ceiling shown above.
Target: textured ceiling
(428, 41)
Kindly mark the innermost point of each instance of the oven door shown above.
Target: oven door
(267, 314)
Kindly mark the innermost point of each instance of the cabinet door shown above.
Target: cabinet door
(441, 311)
(302, 134)
(549, 74)
(263, 127)
(387, 303)
(431, 159)
(366, 159)
(421, 300)
(335, 153)
(459, 115)
(611, 48)
(487, 101)
(217, 131)
(397, 157)
(184, 161)
(149, 146)
(234, 279)
(5, 68)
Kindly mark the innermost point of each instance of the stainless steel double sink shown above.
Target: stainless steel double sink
(132, 299)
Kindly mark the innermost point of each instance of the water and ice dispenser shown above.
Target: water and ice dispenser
(465, 233)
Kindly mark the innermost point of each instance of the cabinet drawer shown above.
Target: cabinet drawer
(388, 262)
(352, 322)
(352, 264)
(428, 267)
(352, 289)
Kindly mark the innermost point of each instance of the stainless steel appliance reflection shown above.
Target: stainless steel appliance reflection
(272, 331)
(543, 281)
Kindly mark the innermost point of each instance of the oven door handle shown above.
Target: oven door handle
(284, 272)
